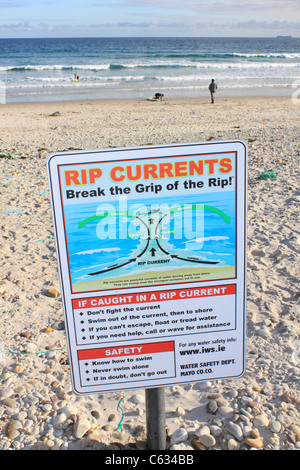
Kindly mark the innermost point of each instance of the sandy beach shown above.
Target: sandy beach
(38, 409)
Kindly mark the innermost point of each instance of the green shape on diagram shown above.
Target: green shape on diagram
(204, 207)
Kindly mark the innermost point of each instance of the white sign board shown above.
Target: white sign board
(151, 245)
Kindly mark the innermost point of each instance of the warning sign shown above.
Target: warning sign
(151, 249)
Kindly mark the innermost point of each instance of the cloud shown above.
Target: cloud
(133, 25)
(213, 17)
(27, 26)
(13, 5)
(124, 24)
(262, 25)
(152, 17)
(17, 27)
(275, 9)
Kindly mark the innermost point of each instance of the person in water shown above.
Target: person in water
(76, 77)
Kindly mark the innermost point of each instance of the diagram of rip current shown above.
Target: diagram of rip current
(152, 223)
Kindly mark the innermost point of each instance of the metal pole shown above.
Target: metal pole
(156, 418)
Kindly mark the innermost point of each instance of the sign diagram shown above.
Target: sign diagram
(151, 223)
(151, 249)
(130, 247)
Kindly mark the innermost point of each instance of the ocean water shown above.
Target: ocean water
(43, 69)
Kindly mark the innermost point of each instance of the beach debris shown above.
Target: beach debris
(18, 369)
(212, 407)
(82, 426)
(232, 444)
(207, 440)
(275, 427)
(179, 435)
(52, 292)
(279, 255)
(138, 399)
(180, 411)
(26, 334)
(235, 430)
(48, 329)
(43, 152)
(290, 398)
(11, 153)
(6, 392)
(256, 443)
(296, 430)
(267, 175)
(56, 113)
(261, 420)
(75, 149)
(12, 429)
(7, 210)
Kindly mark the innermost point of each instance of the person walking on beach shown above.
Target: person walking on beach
(212, 88)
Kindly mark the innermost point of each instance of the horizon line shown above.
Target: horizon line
(156, 37)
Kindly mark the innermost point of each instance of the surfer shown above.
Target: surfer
(156, 97)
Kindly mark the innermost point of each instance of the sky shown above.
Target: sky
(149, 18)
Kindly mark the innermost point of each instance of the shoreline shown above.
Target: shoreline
(239, 93)
(204, 99)
(195, 99)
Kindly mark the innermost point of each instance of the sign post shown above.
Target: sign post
(151, 246)
(156, 418)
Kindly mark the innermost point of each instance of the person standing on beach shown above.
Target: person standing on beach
(212, 88)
